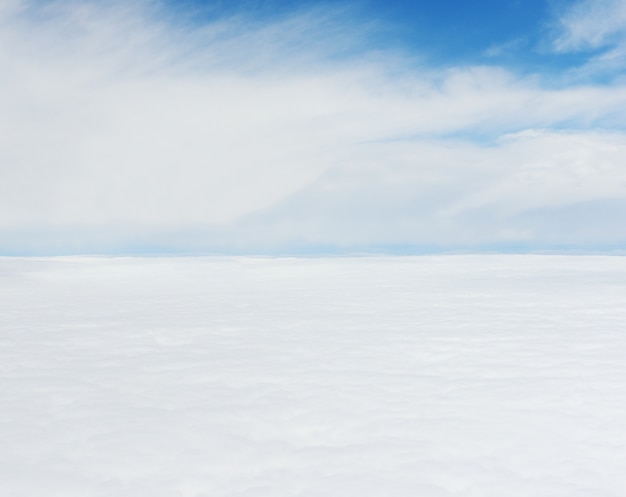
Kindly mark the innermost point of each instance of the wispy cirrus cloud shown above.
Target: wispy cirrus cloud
(591, 24)
(122, 122)
(596, 27)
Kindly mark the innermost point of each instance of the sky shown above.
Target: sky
(276, 127)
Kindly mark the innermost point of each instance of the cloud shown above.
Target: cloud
(591, 24)
(109, 114)
(598, 28)
(446, 193)
(122, 124)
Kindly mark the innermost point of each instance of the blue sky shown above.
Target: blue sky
(442, 33)
(279, 127)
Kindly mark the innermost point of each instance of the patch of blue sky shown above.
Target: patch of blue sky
(483, 137)
(513, 34)
(490, 136)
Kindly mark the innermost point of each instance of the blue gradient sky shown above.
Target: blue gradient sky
(303, 127)
(514, 33)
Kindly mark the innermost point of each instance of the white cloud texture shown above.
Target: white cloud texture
(590, 24)
(120, 122)
(480, 376)
(597, 27)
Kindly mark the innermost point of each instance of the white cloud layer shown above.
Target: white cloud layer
(119, 120)
(480, 376)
